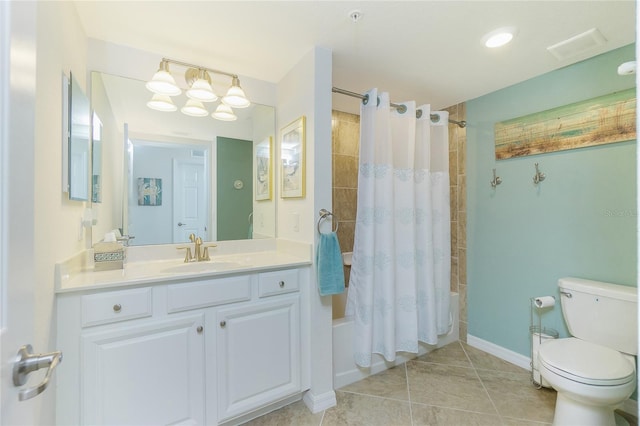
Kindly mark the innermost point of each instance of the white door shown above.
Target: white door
(17, 265)
(190, 202)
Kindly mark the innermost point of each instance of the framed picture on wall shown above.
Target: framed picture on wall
(264, 169)
(292, 156)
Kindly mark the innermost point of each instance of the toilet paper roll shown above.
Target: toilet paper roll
(545, 301)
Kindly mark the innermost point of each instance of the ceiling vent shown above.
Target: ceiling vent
(577, 44)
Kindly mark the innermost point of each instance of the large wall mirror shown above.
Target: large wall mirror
(165, 175)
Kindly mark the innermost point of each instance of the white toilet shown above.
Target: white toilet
(594, 371)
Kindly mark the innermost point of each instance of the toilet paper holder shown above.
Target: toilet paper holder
(538, 334)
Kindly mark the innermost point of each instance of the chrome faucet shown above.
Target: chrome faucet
(201, 252)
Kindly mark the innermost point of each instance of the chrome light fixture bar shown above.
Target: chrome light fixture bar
(199, 90)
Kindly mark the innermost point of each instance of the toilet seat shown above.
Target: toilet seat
(586, 362)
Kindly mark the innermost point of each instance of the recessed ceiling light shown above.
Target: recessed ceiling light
(499, 37)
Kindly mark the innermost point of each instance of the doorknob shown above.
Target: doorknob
(28, 362)
(181, 224)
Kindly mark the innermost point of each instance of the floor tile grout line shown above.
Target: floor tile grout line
(322, 418)
(406, 378)
(470, 367)
(446, 407)
(374, 396)
(482, 383)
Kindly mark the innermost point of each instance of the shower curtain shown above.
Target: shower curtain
(399, 287)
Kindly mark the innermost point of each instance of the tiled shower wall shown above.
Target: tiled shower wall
(458, 196)
(345, 140)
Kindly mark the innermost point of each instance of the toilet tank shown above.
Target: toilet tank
(602, 313)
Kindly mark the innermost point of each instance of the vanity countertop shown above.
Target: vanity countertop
(156, 264)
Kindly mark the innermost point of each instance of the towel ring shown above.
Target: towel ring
(324, 213)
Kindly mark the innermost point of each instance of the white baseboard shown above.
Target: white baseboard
(502, 353)
(318, 403)
(629, 406)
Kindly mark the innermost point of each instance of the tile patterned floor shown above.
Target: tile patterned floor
(453, 385)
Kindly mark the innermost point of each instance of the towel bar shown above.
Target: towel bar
(324, 213)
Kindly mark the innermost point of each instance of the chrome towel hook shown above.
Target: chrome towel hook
(497, 180)
(538, 177)
(324, 213)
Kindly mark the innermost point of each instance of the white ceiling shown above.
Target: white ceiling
(429, 51)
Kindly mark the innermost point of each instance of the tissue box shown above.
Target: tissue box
(108, 256)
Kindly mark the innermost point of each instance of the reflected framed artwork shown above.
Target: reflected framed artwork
(292, 155)
(149, 192)
(263, 169)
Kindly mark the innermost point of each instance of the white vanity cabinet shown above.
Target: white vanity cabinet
(145, 374)
(209, 351)
(258, 355)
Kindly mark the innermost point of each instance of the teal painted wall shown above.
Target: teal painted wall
(235, 162)
(581, 221)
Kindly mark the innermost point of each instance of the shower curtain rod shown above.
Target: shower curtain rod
(401, 108)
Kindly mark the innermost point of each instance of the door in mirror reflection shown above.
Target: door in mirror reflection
(189, 198)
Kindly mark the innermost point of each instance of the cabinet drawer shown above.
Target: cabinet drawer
(200, 294)
(113, 306)
(277, 282)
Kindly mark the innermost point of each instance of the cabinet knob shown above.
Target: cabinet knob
(281, 284)
(117, 307)
(223, 323)
(200, 329)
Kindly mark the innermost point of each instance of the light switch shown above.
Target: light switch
(295, 221)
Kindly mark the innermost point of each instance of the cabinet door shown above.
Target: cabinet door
(258, 348)
(151, 374)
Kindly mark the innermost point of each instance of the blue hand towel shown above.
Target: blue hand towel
(329, 264)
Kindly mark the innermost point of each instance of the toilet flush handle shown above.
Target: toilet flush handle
(566, 294)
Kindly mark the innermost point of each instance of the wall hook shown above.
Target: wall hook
(538, 177)
(497, 180)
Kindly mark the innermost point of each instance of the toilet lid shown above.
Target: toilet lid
(586, 362)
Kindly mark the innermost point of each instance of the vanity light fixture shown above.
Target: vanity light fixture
(224, 113)
(162, 103)
(163, 82)
(194, 108)
(499, 37)
(235, 96)
(199, 90)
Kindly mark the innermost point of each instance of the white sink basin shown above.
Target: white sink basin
(210, 265)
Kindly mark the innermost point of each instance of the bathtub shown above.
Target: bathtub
(345, 370)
